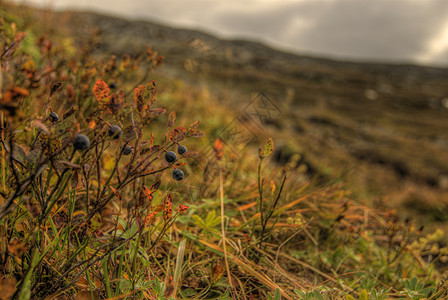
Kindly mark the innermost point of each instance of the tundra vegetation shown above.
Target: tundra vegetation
(96, 204)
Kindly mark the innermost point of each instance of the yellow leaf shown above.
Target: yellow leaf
(268, 148)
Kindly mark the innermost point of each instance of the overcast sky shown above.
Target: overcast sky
(373, 30)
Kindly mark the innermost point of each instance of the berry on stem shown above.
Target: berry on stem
(178, 174)
(81, 142)
(181, 149)
(170, 156)
(127, 150)
(115, 132)
(54, 117)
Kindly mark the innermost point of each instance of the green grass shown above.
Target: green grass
(103, 225)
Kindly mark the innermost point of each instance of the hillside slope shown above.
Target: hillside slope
(381, 128)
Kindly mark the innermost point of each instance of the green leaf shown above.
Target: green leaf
(277, 295)
(198, 221)
(363, 295)
(210, 217)
(25, 292)
(149, 92)
(318, 295)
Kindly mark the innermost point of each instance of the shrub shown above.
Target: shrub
(64, 212)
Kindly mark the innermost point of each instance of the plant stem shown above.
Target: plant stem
(223, 231)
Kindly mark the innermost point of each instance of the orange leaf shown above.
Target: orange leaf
(168, 202)
(92, 125)
(193, 126)
(101, 90)
(217, 272)
(148, 193)
(138, 100)
(159, 208)
(247, 206)
(19, 37)
(150, 218)
(218, 149)
(116, 193)
(20, 91)
(167, 212)
(151, 141)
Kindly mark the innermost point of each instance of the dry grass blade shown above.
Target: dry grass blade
(250, 268)
(179, 262)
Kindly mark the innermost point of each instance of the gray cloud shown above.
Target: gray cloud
(376, 29)
(392, 30)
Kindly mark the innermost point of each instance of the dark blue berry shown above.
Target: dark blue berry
(170, 156)
(181, 149)
(112, 85)
(127, 150)
(178, 174)
(115, 132)
(54, 117)
(81, 142)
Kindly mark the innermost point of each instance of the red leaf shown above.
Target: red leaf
(155, 112)
(55, 88)
(172, 119)
(101, 90)
(114, 105)
(70, 112)
(177, 134)
(155, 186)
(183, 208)
(196, 133)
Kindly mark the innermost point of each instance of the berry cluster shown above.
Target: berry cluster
(171, 157)
(82, 142)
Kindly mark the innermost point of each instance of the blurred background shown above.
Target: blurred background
(411, 31)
